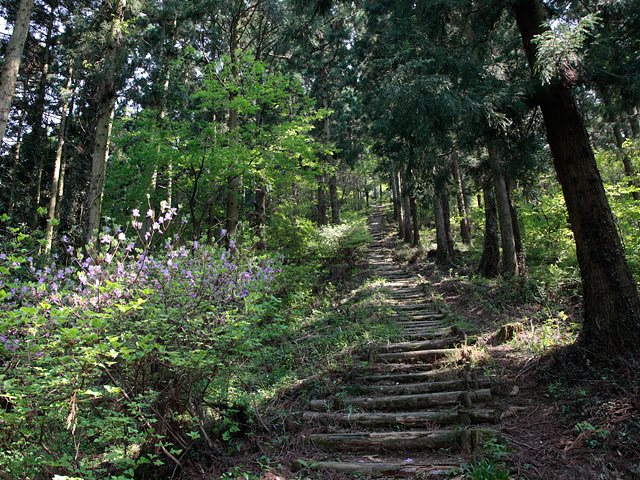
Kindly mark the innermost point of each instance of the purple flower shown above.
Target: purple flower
(135, 213)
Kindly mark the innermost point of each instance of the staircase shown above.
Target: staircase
(420, 410)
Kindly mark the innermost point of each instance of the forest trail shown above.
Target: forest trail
(415, 406)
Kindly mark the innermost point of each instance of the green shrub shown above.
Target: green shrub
(345, 243)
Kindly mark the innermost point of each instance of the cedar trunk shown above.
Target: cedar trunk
(442, 251)
(463, 210)
(334, 201)
(491, 250)
(611, 303)
(394, 196)
(446, 212)
(414, 220)
(406, 208)
(57, 166)
(12, 59)
(107, 95)
(509, 257)
(321, 213)
(260, 216)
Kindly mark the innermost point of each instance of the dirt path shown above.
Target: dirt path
(418, 406)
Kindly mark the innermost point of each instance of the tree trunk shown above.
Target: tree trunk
(15, 164)
(517, 234)
(490, 259)
(107, 95)
(463, 211)
(395, 198)
(634, 121)
(321, 214)
(509, 257)
(446, 213)
(63, 164)
(40, 149)
(442, 249)
(611, 303)
(260, 216)
(233, 189)
(401, 211)
(99, 158)
(406, 208)
(414, 220)
(57, 165)
(333, 199)
(12, 59)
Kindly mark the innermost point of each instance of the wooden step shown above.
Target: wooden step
(370, 469)
(420, 345)
(403, 402)
(401, 376)
(425, 316)
(383, 368)
(427, 387)
(416, 323)
(420, 355)
(416, 306)
(406, 419)
(426, 330)
(406, 440)
(427, 334)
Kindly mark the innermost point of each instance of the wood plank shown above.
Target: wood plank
(401, 402)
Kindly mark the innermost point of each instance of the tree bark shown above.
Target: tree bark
(463, 210)
(333, 199)
(321, 214)
(12, 60)
(260, 216)
(394, 195)
(40, 149)
(517, 234)
(509, 256)
(107, 95)
(490, 259)
(401, 208)
(442, 249)
(57, 165)
(406, 207)
(15, 164)
(611, 303)
(446, 212)
(414, 220)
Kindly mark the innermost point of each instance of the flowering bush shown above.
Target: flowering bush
(109, 358)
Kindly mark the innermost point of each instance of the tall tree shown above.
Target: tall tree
(107, 94)
(12, 59)
(611, 302)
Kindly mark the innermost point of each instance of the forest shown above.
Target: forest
(201, 202)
